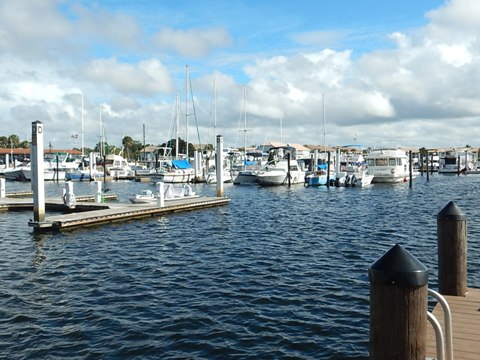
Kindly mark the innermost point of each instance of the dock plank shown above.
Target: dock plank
(121, 212)
(465, 326)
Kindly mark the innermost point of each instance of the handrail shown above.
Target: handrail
(448, 324)
(438, 335)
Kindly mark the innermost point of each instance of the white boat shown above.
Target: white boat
(354, 178)
(388, 165)
(277, 172)
(211, 177)
(246, 177)
(352, 171)
(456, 161)
(175, 171)
(53, 170)
(171, 193)
(15, 173)
(84, 175)
(117, 167)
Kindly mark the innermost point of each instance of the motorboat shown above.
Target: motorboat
(246, 177)
(147, 196)
(175, 171)
(455, 161)
(355, 178)
(282, 168)
(388, 165)
(320, 176)
(117, 167)
(211, 177)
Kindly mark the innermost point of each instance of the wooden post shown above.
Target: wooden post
(431, 163)
(328, 169)
(398, 307)
(288, 170)
(452, 251)
(427, 169)
(410, 168)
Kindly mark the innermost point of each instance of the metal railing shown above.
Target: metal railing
(444, 344)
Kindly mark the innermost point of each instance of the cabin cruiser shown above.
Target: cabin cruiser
(388, 165)
(282, 168)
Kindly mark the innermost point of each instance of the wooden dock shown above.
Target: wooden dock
(88, 214)
(465, 326)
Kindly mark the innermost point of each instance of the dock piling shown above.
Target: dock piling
(219, 165)
(3, 191)
(69, 196)
(160, 193)
(37, 172)
(398, 306)
(452, 251)
(98, 194)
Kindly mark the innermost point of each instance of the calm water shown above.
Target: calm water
(277, 273)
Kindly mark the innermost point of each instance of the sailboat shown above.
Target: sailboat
(177, 170)
(320, 174)
(211, 176)
(247, 176)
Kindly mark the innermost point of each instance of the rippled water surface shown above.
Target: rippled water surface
(277, 273)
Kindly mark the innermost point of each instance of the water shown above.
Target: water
(277, 273)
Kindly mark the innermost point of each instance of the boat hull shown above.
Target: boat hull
(246, 177)
(267, 179)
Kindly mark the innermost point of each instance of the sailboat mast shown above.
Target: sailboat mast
(186, 108)
(176, 127)
(102, 150)
(281, 127)
(82, 125)
(245, 127)
(214, 111)
(324, 133)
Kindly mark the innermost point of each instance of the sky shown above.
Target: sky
(370, 72)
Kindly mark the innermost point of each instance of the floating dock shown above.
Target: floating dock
(465, 326)
(87, 214)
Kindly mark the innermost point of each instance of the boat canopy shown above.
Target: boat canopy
(181, 164)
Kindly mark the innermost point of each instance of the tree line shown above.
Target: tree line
(130, 148)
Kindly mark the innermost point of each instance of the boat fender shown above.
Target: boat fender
(337, 182)
(347, 180)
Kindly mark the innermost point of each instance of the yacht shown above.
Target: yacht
(282, 168)
(388, 165)
(454, 161)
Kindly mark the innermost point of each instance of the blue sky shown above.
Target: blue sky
(400, 73)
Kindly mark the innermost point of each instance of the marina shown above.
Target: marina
(254, 279)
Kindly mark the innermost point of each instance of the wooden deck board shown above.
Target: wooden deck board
(465, 326)
(92, 214)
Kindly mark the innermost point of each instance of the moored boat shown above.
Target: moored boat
(282, 168)
(388, 165)
(147, 196)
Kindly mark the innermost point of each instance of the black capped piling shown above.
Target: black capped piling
(398, 306)
(452, 250)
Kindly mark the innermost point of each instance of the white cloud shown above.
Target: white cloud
(192, 42)
(147, 78)
(422, 91)
(456, 55)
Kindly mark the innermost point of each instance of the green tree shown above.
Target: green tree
(13, 141)
(24, 144)
(4, 142)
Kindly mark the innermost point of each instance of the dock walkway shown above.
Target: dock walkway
(93, 214)
(465, 326)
